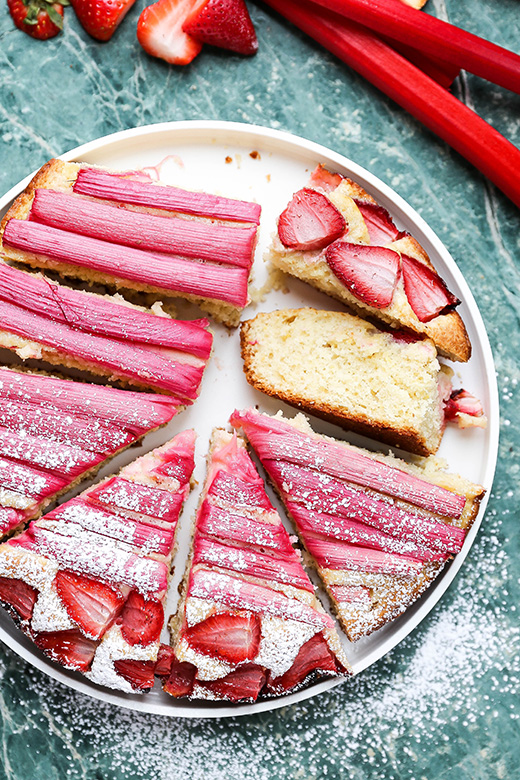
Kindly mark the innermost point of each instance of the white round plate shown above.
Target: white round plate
(256, 163)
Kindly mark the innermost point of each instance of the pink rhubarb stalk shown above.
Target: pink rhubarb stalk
(214, 242)
(164, 272)
(340, 555)
(279, 440)
(115, 187)
(214, 521)
(146, 500)
(28, 481)
(238, 492)
(60, 459)
(239, 594)
(10, 518)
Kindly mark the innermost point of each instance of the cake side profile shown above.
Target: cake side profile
(248, 624)
(120, 229)
(377, 529)
(88, 581)
(102, 334)
(54, 433)
(334, 236)
(347, 371)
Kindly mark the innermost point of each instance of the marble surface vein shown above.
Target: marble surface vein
(444, 704)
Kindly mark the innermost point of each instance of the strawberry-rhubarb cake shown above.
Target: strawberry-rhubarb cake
(56, 432)
(117, 227)
(334, 236)
(87, 582)
(102, 334)
(377, 529)
(249, 623)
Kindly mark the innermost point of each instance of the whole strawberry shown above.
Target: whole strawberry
(38, 18)
(101, 17)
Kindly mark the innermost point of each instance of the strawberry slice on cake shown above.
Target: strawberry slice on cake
(377, 529)
(336, 237)
(56, 432)
(119, 229)
(88, 581)
(248, 623)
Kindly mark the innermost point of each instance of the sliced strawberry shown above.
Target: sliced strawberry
(19, 596)
(69, 648)
(313, 656)
(380, 226)
(232, 638)
(141, 620)
(138, 673)
(100, 18)
(246, 682)
(223, 23)
(89, 603)
(321, 177)
(310, 221)
(369, 272)
(160, 33)
(426, 292)
(181, 679)
(165, 660)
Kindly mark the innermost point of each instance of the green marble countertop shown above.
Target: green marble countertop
(441, 705)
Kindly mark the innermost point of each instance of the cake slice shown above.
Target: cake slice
(383, 384)
(248, 623)
(118, 228)
(377, 529)
(103, 335)
(56, 432)
(88, 581)
(334, 236)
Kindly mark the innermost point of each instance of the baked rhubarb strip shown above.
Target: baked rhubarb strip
(372, 539)
(108, 185)
(35, 313)
(248, 623)
(56, 432)
(87, 582)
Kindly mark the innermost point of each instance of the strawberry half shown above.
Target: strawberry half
(100, 18)
(138, 673)
(165, 660)
(380, 226)
(426, 292)
(38, 18)
(89, 603)
(313, 656)
(69, 648)
(141, 620)
(181, 679)
(232, 638)
(223, 23)
(369, 272)
(310, 221)
(19, 596)
(160, 33)
(244, 683)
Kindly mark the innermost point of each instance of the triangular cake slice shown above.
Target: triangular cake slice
(378, 530)
(336, 237)
(248, 623)
(87, 582)
(56, 432)
(104, 335)
(118, 228)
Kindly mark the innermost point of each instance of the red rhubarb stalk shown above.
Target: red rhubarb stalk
(9, 519)
(185, 237)
(413, 90)
(102, 315)
(28, 481)
(166, 272)
(214, 521)
(113, 186)
(46, 454)
(340, 555)
(433, 38)
(150, 501)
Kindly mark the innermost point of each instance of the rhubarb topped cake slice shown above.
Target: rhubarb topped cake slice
(377, 529)
(248, 623)
(118, 228)
(384, 384)
(334, 236)
(56, 432)
(88, 581)
(102, 334)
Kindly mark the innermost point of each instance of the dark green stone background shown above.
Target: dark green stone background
(441, 705)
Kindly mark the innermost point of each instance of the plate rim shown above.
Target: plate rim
(419, 610)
